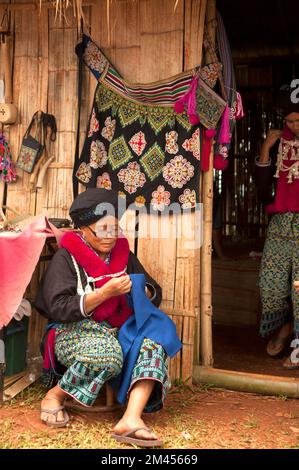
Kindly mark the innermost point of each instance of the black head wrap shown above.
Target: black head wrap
(95, 203)
(285, 100)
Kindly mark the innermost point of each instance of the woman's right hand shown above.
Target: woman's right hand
(117, 286)
(272, 137)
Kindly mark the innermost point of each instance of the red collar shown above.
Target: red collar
(90, 261)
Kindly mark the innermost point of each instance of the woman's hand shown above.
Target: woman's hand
(296, 286)
(117, 286)
(272, 137)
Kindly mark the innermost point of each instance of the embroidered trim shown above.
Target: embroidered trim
(128, 111)
(95, 279)
(80, 290)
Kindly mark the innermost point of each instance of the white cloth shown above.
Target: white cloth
(23, 309)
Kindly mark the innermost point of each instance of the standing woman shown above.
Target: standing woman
(279, 163)
(83, 294)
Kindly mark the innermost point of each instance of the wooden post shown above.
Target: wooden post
(206, 255)
(2, 362)
(7, 69)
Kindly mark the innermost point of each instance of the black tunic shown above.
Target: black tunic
(57, 297)
(264, 178)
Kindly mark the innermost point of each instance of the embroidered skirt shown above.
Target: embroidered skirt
(93, 355)
(279, 269)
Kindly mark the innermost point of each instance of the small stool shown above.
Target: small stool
(110, 405)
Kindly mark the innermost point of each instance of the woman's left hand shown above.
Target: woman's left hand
(296, 286)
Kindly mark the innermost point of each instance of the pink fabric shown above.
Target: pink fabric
(19, 254)
(239, 112)
(225, 135)
(287, 194)
(286, 198)
(189, 99)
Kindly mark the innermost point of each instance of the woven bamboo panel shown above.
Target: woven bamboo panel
(25, 95)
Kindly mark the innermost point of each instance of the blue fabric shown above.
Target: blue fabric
(147, 322)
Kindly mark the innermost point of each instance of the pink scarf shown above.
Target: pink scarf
(114, 310)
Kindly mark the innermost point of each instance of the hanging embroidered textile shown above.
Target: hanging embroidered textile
(7, 168)
(136, 143)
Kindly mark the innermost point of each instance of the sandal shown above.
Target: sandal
(56, 424)
(130, 437)
(277, 344)
(288, 364)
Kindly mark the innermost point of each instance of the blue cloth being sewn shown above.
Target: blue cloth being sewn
(147, 322)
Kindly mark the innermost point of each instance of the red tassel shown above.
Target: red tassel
(220, 163)
(206, 150)
(210, 133)
(179, 107)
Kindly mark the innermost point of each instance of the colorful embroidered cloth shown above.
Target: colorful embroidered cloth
(135, 142)
(7, 169)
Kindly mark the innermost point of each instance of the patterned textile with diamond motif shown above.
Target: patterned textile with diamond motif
(135, 142)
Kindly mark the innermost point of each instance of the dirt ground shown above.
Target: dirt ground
(193, 418)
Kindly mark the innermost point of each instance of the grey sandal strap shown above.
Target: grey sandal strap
(134, 430)
(52, 412)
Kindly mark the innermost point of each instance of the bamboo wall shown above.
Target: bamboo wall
(147, 41)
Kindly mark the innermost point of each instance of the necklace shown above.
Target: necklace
(288, 151)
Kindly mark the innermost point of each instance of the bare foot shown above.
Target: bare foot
(52, 402)
(126, 424)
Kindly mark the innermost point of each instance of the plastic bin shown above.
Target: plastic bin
(16, 346)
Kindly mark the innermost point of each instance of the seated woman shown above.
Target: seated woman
(84, 293)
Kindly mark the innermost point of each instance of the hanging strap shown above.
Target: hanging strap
(79, 51)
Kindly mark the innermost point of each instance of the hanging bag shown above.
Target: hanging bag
(32, 148)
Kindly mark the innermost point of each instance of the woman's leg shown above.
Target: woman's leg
(295, 294)
(149, 383)
(138, 398)
(275, 275)
(295, 276)
(92, 355)
(53, 400)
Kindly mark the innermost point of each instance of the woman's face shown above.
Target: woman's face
(292, 121)
(102, 235)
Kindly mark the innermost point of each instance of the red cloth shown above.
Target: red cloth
(287, 194)
(49, 352)
(115, 310)
(207, 140)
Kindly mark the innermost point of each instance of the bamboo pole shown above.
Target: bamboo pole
(206, 255)
(247, 382)
(7, 69)
(36, 6)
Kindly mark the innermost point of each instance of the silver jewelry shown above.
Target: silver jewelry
(262, 164)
